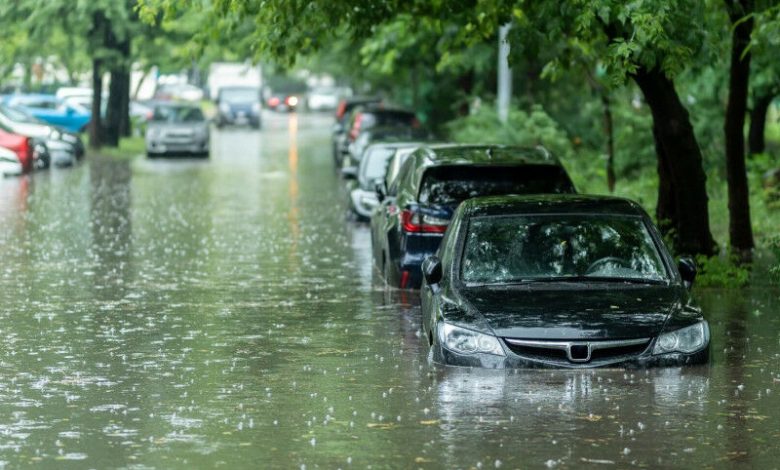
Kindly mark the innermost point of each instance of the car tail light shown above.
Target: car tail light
(413, 222)
(24, 152)
(273, 102)
(353, 133)
(341, 110)
(415, 123)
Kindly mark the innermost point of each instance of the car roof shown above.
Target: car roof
(551, 204)
(393, 144)
(478, 155)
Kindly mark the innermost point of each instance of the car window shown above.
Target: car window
(403, 177)
(173, 114)
(510, 249)
(374, 163)
(453, 184)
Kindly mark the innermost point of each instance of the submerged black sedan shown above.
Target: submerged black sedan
(559, 281)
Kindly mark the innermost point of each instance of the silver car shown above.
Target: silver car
(177, 129)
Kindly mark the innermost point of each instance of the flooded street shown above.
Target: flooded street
(222, 313)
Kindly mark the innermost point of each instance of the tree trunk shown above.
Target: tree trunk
(117, 119)
(682, 196)
(113, 110)
(608, 131)
(95, 124)
(740, 230)
(761, 102)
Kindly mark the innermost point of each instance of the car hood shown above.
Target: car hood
(31, 129)
(571, 314)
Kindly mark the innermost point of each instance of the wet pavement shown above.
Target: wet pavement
(222, 313)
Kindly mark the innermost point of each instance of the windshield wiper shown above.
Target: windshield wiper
(616, 280)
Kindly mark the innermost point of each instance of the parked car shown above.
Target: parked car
(362, 180)
(559, 281)
(177, 129)
(53, 111)
(239, 105)
(416, 209)
(343, 112)
(23, 147)
(385, 134)
(58, 140)
(367, 117)
(323, 98)
(9, 163)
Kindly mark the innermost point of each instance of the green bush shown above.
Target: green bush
(534, 127)
(720, 271)
(774, 246)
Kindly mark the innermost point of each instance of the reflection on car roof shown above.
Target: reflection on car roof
(551, 204)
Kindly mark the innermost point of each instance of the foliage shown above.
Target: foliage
(534, 127)
(774, 247)
(717, 271)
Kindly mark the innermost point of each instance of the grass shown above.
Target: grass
(129, 148)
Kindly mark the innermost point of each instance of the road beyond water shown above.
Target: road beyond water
(222, 313)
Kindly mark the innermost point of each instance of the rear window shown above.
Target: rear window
(448, 185)
(173, 114)
(387, 118)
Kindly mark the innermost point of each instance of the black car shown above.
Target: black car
(559, 281)
(239, 105)
(367, 117)
(416, 209)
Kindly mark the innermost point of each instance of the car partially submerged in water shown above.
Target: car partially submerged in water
(559, 281)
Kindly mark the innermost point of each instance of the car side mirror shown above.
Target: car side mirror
(381, 191)
(431, 270)
(70, 111)
(349, 173)
(687, 268)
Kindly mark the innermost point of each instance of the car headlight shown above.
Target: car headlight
(685, 340)
(463, 341)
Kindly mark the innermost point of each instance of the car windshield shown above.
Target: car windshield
(528, 248)
(374, 164)
(453, 184)
(177, 114)
(240, 95)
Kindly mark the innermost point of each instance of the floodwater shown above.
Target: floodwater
(222, 313)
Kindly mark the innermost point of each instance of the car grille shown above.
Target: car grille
(578, 352)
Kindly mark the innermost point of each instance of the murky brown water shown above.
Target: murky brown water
(179, 314)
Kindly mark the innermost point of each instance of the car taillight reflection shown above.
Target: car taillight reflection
(413, 222)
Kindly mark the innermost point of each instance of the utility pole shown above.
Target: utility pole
(504, 74)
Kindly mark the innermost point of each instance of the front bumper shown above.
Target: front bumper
(168, 147)
(444, 356)
(239, 119)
